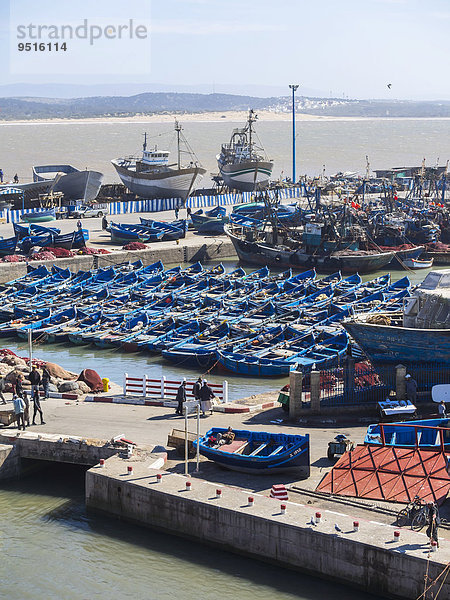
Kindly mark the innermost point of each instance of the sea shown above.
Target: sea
(322, 146)
(49, 546)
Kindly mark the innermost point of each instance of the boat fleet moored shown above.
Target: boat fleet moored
(251, 324)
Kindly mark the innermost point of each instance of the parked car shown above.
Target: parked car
(84, 212)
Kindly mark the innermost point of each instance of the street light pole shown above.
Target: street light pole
(294, 89)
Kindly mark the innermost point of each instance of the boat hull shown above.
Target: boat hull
(74, 184)
(293, 457)
(177, 183)
(260, 254)
(386, 345)
(246, 176)
(439, 258)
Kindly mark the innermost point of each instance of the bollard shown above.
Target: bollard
(101, 462)
(188, 486)
(130, 470)
(318, 517)
(396, 536)
(433, 546)
(283, 509)
(355, 525)
(218, 493)
(158, 477)
(251, 500)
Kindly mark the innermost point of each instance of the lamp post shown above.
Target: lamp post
(294, 89)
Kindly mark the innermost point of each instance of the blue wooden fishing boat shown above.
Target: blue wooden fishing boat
(124, 234)
(8, 246)
(427, 434)
(210, 222)
(31, 229)
(200, 351)
(171, 231)
(258, 452)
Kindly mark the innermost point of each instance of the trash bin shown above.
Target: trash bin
(105, 382)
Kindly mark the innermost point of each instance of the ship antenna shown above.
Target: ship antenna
(144, 145)
(178, 130)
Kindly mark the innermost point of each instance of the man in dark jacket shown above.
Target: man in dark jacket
(46, 382)
(181, 397)
(411, 388)
(196, 389)
(35, 380)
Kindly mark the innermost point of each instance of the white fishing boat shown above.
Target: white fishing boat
(151, 175)
(242, 164)
(414, 263)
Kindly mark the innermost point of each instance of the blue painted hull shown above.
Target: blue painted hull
(386, 345)
(272, 452)
(404, 436)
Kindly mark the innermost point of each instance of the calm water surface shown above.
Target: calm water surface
(50, 548)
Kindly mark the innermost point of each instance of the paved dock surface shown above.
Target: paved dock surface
(147, 425)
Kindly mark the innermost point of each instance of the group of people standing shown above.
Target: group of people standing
(201, 392)
(21, 401)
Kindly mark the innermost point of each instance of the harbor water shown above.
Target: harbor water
(337, 145)
(51, 548)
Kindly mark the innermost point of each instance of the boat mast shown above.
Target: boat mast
(144, 145)
(251, 119)
(178, 130)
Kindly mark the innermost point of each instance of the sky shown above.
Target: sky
(350, 48)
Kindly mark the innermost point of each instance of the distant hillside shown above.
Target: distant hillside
(160, 103)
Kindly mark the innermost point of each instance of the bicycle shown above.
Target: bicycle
(415, 515)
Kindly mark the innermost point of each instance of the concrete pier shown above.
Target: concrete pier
(368, 558)
(192, 249)
(62, 449)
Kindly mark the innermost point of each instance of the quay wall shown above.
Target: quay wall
(9, 462)
(368, 559)
(167, 252)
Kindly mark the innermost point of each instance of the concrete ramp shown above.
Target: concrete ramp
(389, 473)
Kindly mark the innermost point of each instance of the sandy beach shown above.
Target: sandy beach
(232, 116)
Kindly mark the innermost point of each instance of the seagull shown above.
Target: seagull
(337, 528)
(389, 85)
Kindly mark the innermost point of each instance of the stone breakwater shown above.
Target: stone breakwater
(367, 556)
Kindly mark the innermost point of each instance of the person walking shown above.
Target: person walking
(35, 380)
(206, 395)
(196, 389)
(442, 410)
(2, 389)
(46, 382)
(181, 398)
(1, 175)
(18, 386)
(37, 408)
(433, 523)
(26, 412)
(79, 225)
(104, 223)
(177, 212)
(411, 389)
(19, 408)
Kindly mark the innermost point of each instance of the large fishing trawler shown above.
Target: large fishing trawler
(242, 164)
(151, 175)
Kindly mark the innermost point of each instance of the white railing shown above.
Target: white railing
(166, 389)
